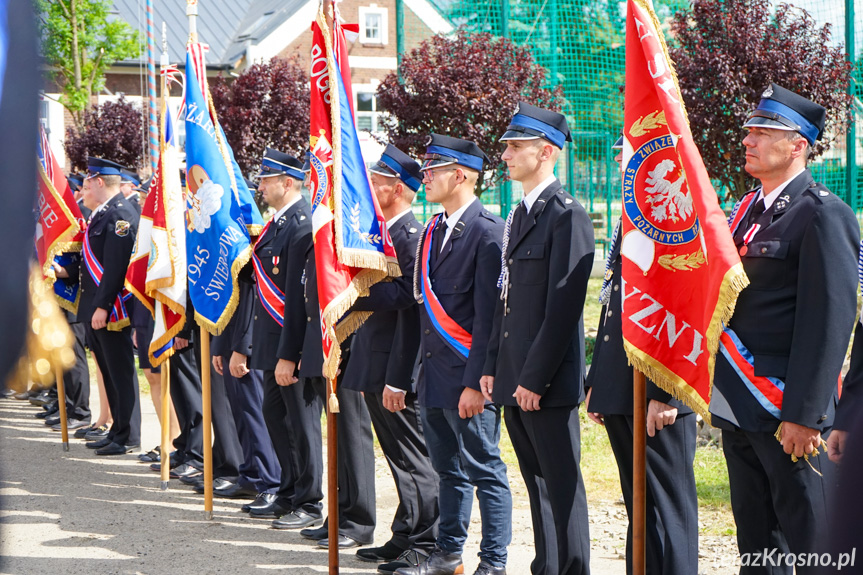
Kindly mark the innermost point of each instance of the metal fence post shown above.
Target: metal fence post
(851, 138)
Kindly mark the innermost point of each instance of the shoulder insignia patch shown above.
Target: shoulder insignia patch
(121, 228)
(822, 193)
(412, 230)
(567, 200)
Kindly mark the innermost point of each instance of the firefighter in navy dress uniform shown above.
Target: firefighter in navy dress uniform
(672, 502)
(384, 354)
(781, 354)
(535, 363)
(110, 238)
(456, 279)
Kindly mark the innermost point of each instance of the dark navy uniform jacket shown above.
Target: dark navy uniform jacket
(610, 375)
(538, 341)
(112, 234)
(797, 314)
(464, 277)
(282, 251)
(385, 348)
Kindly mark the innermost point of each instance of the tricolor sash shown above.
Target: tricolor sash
(272, 298)
(768, 391)
(118, 317)
(740, 210)
(455, 336)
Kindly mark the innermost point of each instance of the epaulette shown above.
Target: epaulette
(820, 192)
(565, 199)
(487, 214)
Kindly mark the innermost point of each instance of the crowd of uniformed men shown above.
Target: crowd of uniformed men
(486, 323)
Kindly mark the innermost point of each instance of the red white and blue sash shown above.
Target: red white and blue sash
(119, 316)
(458, 339)
(271, 297)
(768, 391)
(740, 210)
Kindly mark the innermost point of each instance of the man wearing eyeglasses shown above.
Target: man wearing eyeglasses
(456, 281)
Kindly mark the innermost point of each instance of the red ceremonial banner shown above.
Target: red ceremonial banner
(60, 225)
(681, 273)
(353, 249)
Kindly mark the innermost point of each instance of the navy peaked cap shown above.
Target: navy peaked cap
(531, 123)
(75, 181)
(445, 150)
(130, 176)
(100, 167)
(618, 145)
(783, 109)
(307, 164)
(396, 164)
(276, 163)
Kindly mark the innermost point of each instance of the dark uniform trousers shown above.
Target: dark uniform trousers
(227, 451)
(795, 319)
(76, 381)
(116, 360)
(260, 469)
(672, 501)
(671, 546)
(384, 352)
(185, 389)
(538, 344)
(258, 466)
(400, 436)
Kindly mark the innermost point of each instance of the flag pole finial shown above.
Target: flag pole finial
(192, 13)
(165, 62)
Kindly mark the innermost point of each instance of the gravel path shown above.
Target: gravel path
(75, 513)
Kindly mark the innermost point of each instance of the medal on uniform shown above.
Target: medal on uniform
(747, 237)
(276, 265)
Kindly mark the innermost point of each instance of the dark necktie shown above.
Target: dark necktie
(438, 236)
(756, 212)
(518, 220)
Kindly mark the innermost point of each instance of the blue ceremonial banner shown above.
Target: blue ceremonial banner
(67, 295)
(217, 238)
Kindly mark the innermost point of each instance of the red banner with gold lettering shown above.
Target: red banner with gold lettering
(353, 249)
(59, 225)
(681, 273)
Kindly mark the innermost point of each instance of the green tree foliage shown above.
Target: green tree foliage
(722, 75)
(81, 39)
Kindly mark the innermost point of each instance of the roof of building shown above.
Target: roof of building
(225, 25)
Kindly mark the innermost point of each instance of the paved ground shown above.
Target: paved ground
(75, 513)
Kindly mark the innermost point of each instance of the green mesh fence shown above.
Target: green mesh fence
(581, 44)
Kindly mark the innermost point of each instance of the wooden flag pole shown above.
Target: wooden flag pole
(208, 427)
(332, 482)
(639, 471)
(165, 455)
(61, 403)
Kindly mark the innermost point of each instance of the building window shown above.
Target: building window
(367, 112)
(373, 25)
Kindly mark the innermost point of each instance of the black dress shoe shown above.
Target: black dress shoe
(272, 511)
(486, 568)
(342, 542)
(23, 396)
(315, 534)
(116, 449)
(262, 500)
(388, 552)
(234, 490)
(218, 483)
(80, 433)
(52, 420)
(98, 444)
(152, 456)
(174, 460)
(42, 398)
(439, 563)
(71, 424)
(44, 414)
(193, 480)
(297, 520)
(97, 433)
(184, 470)
(409, 558)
